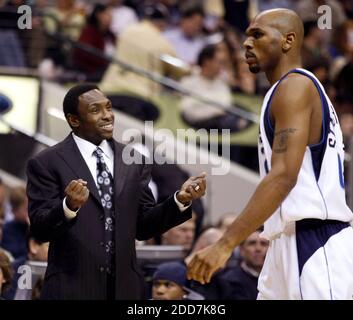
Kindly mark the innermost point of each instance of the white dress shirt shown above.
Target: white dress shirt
(86, 149)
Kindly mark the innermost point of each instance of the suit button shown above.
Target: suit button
(101, 269)
(101, 217)
(101, 243)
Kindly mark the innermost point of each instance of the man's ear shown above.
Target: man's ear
(288, 41)
(73, 120)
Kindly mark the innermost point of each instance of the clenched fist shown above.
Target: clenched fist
(76, 194)
(193, 188)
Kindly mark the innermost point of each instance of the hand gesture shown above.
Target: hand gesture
(207, 261)
(76, 194)
(193, 188)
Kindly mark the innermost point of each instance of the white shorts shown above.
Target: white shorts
(311, 259)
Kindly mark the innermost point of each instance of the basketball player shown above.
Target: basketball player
(301, 198)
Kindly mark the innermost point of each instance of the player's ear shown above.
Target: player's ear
(288, 42)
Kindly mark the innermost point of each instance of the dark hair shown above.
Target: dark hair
(70, 104)
(207, 53)
(156, 12)
(191, 10)
(93, 17)
(30, 236)
(309, 26)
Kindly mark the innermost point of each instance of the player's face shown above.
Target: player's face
(167, 290)
(263, 47)
(95, 121)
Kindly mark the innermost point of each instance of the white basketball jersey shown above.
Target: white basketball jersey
(320, 191)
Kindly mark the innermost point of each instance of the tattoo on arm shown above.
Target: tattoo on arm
(281, 141)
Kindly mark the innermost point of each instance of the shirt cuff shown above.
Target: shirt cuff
(181, 206)
(69, 214)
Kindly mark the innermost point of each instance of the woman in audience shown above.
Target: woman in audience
(5, 272)
(97, 35)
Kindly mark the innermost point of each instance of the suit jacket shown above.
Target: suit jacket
(76, 252)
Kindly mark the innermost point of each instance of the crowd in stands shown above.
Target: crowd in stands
(199, 44)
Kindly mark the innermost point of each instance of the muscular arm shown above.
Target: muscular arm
(291, 111)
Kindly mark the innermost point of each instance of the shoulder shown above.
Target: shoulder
(295, 85)
(51, 153)
(296, 90)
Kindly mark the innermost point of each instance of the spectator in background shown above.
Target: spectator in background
(226, 220)
(5, 273)
(313, 44)
(170, 283)
(214, 15)
(240, 282)
(308, 11)
(15, 231)
(210, 85)
(236, 13)
(140, 45)
(181, 235)
(343, 47)
(97, 35)
(187, 39)
(235, 70)
(37, 251)
(64, 18)
(315, 56)
(122, 17)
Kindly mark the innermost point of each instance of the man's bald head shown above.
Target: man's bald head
(283, 20)
(274, 40)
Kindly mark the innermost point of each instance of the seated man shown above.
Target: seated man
(209, 85)
(14, 232)
(181, 235)
(170, 283)
(240, 282)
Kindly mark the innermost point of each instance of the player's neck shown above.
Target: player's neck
(281, 69)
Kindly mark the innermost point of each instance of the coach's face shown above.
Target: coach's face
(95, 120)
(262, 45)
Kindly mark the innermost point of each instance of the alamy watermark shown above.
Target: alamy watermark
(25, 20)
(189, 146)
(325, 20)
(25, 279)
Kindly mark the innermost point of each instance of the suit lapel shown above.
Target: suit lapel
(120, 168)
(73, 158)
